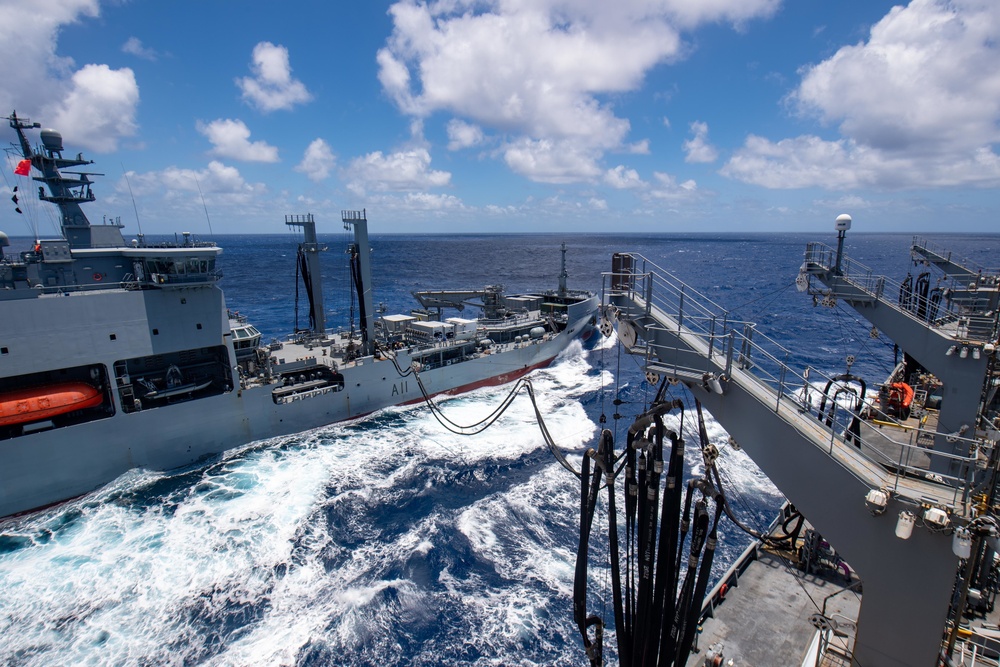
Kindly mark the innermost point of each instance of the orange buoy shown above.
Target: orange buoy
(28, 405)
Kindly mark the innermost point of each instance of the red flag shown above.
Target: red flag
(23, 168)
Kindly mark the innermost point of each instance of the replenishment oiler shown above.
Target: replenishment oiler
(115, 354)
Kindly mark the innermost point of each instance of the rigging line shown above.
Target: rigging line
(606, 580)
(32, 227)
(436, 409)
(488, 421)
(645, 392)
(864, 344)
(35, 212)
(843, 334)
(297, 265)
(775, 293)
(763, 537)
(451, 424)
(445, 447)
(545, 432)
(134, 207)
(211, 233)
(603, 366)
(842, 314)
(760, 313)
(351, 287)
(713, 469)
(775, 550)
(471, 429)
(757, 533)
(618, 375)
(739, 499)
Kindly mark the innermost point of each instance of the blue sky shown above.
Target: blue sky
(517, 115)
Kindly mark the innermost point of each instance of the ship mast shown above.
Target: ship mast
(65, 192)
(309, 260)
(361, 271)
(562, 271)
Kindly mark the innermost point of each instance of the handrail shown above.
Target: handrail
(942, 308)
(947, 254)
(741, 346)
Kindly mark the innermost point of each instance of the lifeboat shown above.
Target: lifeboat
(900, 395)
(898, 399)
(28, 405)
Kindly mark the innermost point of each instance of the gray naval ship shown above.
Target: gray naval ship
(887, 554)
(116, 355)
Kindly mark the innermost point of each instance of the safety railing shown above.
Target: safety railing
(829, 401)
(991, 275)
(945, 306)
(975, 651)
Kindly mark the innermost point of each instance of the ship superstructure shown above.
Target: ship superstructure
(115, 355)
(896, 480)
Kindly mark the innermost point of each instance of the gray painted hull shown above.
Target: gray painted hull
(50, 466)
(115, 356)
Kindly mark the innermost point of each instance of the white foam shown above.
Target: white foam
(607, 342)
(347, 540)
(124, 580)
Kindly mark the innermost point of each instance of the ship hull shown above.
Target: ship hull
(62, 462)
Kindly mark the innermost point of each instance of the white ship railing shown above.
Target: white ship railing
(947, 255)
(956, 317)
(975, 650)
(739, 346)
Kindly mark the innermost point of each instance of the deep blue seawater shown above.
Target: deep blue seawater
(391, 541)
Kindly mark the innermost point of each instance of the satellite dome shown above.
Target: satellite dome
(52, 140)
(4, 241)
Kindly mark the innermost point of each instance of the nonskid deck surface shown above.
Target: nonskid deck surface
(764, 619)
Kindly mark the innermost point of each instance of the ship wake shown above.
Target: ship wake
(388, 540)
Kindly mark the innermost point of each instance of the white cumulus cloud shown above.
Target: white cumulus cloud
(135, 47)
(231, 138)
(667, 188)
(215, 178)
(317, 162)
(99, 107)
(272, 86)
(93, 105)
(622, 178)
(552, 161)
(697, 148)
(431, 202)
(917, 104)
(809, 161)
(403, 170)
(217, 183)
(463, 135)
(540, 71)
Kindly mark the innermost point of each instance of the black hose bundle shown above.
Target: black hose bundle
(590, 484)
(359, 288)
(656, 610)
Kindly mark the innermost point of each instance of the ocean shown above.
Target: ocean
(390, 540)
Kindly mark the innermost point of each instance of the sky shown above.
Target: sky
(515, 115)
